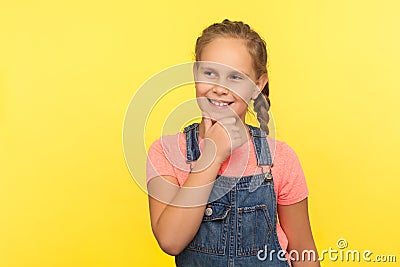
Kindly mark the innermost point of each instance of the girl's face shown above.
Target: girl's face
(226, 79)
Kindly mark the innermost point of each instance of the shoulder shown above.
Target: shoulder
(281, 152)
(166, 157)
(168, 143)
(169, 149)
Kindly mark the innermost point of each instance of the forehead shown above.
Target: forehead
(229, 51)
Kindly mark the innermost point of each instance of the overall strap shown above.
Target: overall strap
(261, 147)
(192, 142)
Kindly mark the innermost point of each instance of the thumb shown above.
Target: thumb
(207, 122)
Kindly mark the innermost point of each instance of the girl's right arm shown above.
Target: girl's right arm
(176, 212)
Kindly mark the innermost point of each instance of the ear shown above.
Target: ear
(260, 83)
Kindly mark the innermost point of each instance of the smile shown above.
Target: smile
(219, 103)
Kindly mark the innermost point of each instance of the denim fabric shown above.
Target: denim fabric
(192, 143)
(239, 228)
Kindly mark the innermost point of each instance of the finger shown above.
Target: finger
(207, 122)
(236, 142)
(235, 129)
(228, 121)
(235, 136)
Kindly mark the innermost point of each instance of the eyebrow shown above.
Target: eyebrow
(232, 71)
(241, 72)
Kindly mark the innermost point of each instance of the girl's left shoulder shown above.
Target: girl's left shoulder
(281, 151)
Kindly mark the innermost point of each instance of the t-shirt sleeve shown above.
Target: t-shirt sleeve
(157, 163)
(293, 187)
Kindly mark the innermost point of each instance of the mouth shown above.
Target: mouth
(219, 103)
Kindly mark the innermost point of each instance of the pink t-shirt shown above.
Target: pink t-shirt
(167, 157)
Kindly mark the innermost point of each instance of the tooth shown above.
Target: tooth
(217, 103)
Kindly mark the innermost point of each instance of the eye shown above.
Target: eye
(236, 77)
(209, 73)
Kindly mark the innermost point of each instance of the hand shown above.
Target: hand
(226, 134)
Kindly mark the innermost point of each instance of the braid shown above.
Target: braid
(261, 107)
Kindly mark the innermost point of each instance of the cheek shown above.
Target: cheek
(242, 91)
(242, 102)
(242, 106)
(202, 103)
(245, 95)
(201, 89)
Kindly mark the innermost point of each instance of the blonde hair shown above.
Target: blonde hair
(257, 49)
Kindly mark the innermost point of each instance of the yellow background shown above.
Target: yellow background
(68, 70)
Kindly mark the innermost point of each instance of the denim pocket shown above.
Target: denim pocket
(211, 236)
(254, 230)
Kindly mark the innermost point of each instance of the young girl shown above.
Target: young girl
(216, 188)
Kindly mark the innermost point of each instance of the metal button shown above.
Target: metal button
(208, 211)
(268, 176)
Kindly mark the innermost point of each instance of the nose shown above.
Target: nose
(220, 90)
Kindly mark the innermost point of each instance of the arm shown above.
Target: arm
(296, 225)
(176, 212)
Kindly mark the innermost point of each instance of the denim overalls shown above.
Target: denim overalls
(239, 223)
